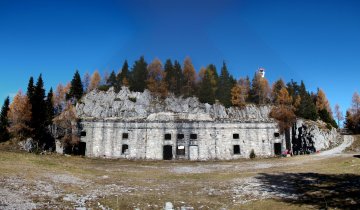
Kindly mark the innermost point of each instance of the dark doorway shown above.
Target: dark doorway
(236, 149)
(167, 152)
(124, 148)
(277, 148)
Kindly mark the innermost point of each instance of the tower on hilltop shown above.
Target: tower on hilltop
(261, 71)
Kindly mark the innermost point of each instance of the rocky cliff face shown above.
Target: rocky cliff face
(132, 106)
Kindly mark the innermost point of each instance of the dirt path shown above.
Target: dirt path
(348, 140)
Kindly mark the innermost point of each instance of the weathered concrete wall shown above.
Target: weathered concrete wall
(146, 140)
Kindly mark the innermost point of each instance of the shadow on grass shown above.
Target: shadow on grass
(322, 191)
(356, 156)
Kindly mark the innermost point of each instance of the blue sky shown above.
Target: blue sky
(314, 41)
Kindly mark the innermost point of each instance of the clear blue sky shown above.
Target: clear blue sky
(314, 41)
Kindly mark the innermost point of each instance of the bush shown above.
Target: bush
(104, 87)
(252, 154)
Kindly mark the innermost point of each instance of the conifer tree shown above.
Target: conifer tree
(189, 81)
(123, 77)
(179, 77)
(206, 93)
(4, 121)
(307, 108)
(170, 76)
(277, 86)
(30, 89)
(50, 110)
(111, 81)
(20, 117)
(156, 82)
(225, 84)
(95, 81)
(38, 117)
(139, 75)
(260, 90)
(76, 89)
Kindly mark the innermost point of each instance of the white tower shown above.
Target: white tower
(261, 71)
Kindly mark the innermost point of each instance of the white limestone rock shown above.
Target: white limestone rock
(127, 105)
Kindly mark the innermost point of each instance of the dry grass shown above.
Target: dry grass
(124, 184)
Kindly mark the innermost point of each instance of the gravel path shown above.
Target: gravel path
(348, 140)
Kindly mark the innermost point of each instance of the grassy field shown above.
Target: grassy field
(57, 181)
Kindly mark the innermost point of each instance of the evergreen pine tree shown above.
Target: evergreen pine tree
(206, 93)
(30, 89)
(123, 77)
(50, 110)
(179, 77)
(4, 121)
(307, 108)
(38, 118)
(76, 89)
(225, 84)
(139, 75)
(170, 76)
(111, 81)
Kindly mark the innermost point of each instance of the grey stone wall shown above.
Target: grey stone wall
(146, 140)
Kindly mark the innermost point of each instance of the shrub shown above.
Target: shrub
(252, 154)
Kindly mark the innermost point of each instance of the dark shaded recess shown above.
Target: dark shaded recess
(167, 136)
(125, 135)
(236, 136)
(236, 149)
(180, 136)
(167, 152)
(277, 148)
(322, 191)
(193, 136)
(124, 147)
(77, 149)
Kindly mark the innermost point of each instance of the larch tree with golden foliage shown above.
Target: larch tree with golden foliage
(66, 123)
(240, 93)
(283, 111)
(20, 116)
(189, 78)
(95, 81)
(156, 82)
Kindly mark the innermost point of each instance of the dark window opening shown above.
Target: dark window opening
(167, 152)
(193, 136)
(236, 136)
(167, 136)
(125, 135)
(277, 148)
(180, 136)
(124, 148)
(276, 134)
(236, 149)
(180, 150)
(83, 133)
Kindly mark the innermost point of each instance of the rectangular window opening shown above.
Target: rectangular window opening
(180, 150)
(83, 133)
(193, 136)
(236, 149)
(180, 136)
(167, 136)
(125, 135)
(276, 134)
(236, 136)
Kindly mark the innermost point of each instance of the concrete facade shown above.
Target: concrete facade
(180, 140)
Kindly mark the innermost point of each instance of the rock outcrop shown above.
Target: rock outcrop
(136, 106)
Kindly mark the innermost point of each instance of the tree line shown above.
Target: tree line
(31, 114)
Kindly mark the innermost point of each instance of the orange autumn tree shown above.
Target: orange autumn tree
(156, 83)
(19, 116)
(283, 111)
